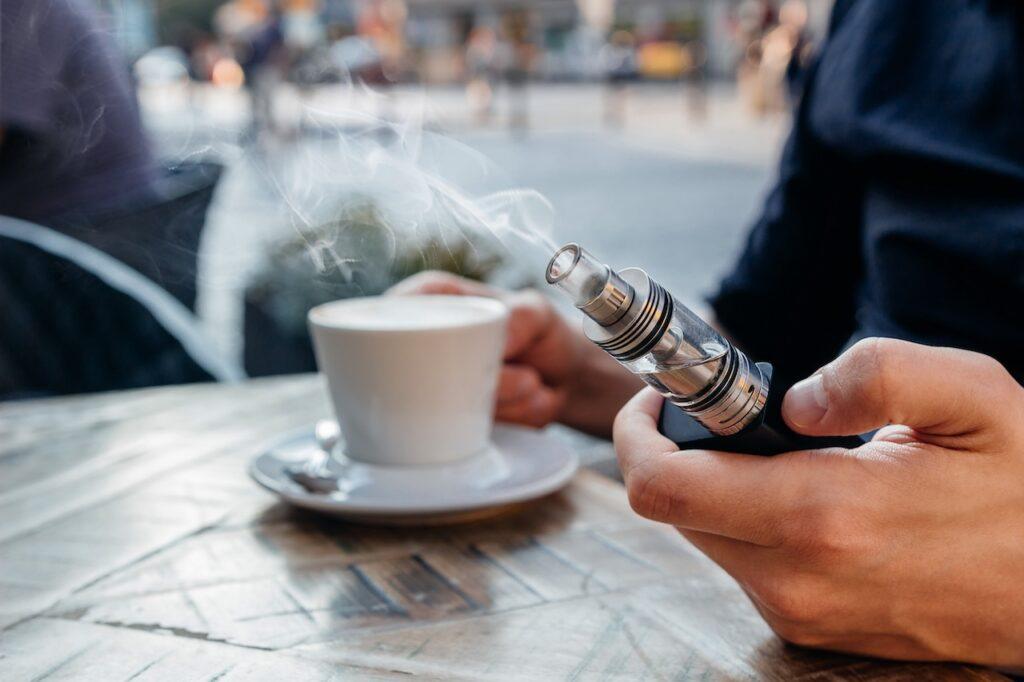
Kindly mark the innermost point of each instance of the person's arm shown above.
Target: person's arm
(908, 547)
(790, 298)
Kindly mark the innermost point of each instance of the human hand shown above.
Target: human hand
(545, 358)
(910, 546)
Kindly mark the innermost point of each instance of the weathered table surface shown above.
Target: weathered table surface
(134, 546)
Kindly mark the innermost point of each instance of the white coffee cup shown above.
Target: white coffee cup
(412, 378)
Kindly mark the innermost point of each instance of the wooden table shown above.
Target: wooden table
(134, 546)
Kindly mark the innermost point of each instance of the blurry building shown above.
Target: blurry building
(438, 30)
(569, 34)
(426, 40)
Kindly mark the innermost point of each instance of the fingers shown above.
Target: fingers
(530, 320)
(734, 556)
(636, 435)
(436, 282)
(742, 497)
(531, 316)
(516, 383)
(522, 398)
(799, 604)
(537, 410)
(940, 391)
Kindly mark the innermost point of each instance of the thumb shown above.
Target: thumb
(938, 391)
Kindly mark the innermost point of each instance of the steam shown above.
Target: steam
(422, 187)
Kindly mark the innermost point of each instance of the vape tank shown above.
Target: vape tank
(712, 390)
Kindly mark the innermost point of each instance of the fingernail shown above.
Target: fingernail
(806, 403)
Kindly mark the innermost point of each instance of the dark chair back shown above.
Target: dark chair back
(158, 236)
(75, 320)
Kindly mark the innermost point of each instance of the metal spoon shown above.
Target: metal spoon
(314, 474)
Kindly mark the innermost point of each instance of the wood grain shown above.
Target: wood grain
(134, 547)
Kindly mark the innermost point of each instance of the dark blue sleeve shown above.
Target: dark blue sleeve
(791, 296)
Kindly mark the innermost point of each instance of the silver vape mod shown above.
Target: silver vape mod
(662, 341)
(716, 397)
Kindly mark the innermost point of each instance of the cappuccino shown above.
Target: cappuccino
(412, 378)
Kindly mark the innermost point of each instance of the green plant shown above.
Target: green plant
(360, 254)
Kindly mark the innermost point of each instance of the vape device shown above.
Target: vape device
(715, 397)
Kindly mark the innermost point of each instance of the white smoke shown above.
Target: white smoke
(425, 186)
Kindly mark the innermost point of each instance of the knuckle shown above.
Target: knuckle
(796, 633)
(648, 495)
(521, 380)
(830, 534)
(795, 600)
(1000, 399)
(620, 425)
(875, 360)
(996, 375)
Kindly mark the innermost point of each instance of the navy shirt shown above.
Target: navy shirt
(73, 139)
(899, 207)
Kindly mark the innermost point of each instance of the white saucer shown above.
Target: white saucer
(521, 465)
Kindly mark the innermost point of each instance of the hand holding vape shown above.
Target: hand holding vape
(715, 397)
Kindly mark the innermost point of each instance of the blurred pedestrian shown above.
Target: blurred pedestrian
(71, 138)
(618, 59)
(793, 18)
(253, 29)
(481, 55)
(515, 56)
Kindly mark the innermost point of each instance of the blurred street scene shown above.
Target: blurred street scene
(666, 193)
(642, 122)
(650, 127)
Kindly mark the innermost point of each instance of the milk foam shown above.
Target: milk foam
(406, 313)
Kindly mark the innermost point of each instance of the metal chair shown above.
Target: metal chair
(74, 319)
(159, 235)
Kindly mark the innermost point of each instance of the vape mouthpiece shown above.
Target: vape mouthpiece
(593, 287)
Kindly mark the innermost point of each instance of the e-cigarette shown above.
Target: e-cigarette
(715, 397)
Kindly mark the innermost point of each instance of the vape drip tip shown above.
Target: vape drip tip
(594, 287)
(640, 324)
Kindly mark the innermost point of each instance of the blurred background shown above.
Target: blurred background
(651, 127)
